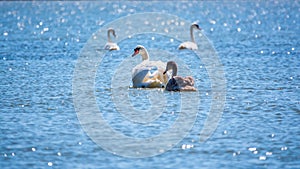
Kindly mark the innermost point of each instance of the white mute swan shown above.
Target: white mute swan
(111, 45)
(190, 45)
(178, 83)
(148, 74)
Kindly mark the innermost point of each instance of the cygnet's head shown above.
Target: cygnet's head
(171, 65)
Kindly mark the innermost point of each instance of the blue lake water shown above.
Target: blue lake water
(257, 43)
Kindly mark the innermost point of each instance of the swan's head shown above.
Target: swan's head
(196, 26)
(139, 49)
(112, 31)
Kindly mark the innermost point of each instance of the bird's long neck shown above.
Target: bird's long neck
(192, 34)
(108, 35)
(144, 54)
(174, 69)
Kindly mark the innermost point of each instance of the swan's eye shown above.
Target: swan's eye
(137, 49)
(197, 26)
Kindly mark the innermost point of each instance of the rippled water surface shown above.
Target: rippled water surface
(257, 43)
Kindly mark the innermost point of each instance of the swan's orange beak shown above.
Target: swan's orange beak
(136, 51)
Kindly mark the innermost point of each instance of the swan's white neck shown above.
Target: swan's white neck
(144, 53)
(192, 34)
(109, 31)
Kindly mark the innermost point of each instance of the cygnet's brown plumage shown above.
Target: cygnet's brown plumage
(178, 83)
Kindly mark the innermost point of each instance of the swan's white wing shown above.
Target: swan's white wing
(151, 66)
(138, 79)
(188, 45)
(111, 46)
(149, 74)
